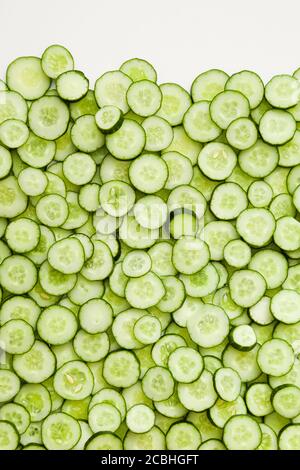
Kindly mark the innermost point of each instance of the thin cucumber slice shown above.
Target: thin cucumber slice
(158, 383)
(9, 436)
(111, 89)
(16, 415)
(208, 327)
(228, 106)
(145, 291)
(275, 357)
(18, 274)
(256, 226)
(139, 69)
(19, 308)
(104, 441)
(198, 124)
(12, 200)
(180, 170)
(286, 401)
(261, 313)
(198, 395)
(185, 364)
(175, 102)
(158, 133)
(148, 173)
(285, 306)
(241, 133)
(116, 198)
(237, 253)
(283, 91)
(277, 127)
(140, 418)
(26, 76)
(67, 255)
(48, 117)
(147, 329)
(32, 181)
(128, 141)
(79, 168)
(73, 381)
(86, 135)
(260, 194)
(36, 151)
(72, 85)
(121, 369)
(190, 255)
(228, 201)
(55, 282)
(246, 287)
(36, 365)
(269, 438)
(91, 347)
(289, 437)
(144, 97)
(243, 337)
(36, 400)
(287, 233)
(249, 84)
(13, 133)
(56, 59)
(22, 235)
(12, 106)
(109, 119)
(243, 362)
(136, 263)
(10, 385)
(183, 436)
(208, 84)
(5, 162)
(217, 160)
(57, 325)
(95, 316)
(242, 433)
(227, 383)
(52, 210)
(222, 410)
(16, 337)
(60, 432)
(272, 265)
(288, 153)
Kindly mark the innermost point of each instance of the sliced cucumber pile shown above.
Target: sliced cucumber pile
(149, 259)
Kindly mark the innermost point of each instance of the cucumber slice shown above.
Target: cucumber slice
(109, 119)
(128, 141)
(26, 76)
(216, 161)
(16, 337)
(275, 357)
(228, 106)
(198, 124)
(60, 432)
(139, 69)
(56, 59)
(277, 127)
(111, 89)
(13, 133)
(208, 84)
(140, 419)
(175, 102)
(72, 85)
(48, 117)
(242, 433)
(121, 369)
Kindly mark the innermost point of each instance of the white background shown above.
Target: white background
(180, 37)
